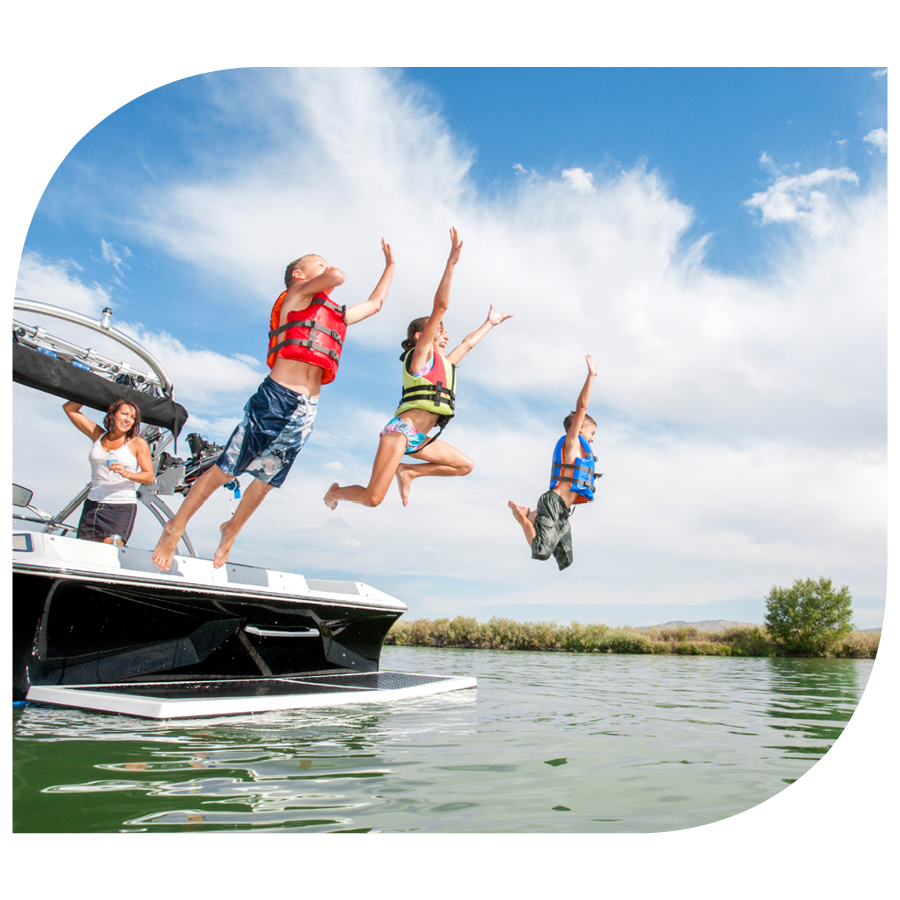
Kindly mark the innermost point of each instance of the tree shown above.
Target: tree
(809, 617)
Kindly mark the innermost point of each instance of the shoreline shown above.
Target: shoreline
(463, 633)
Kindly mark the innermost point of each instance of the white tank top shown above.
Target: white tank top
(106, 485)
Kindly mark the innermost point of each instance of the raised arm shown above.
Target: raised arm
(361, 311)
(81, 421)
(440, 306)
(470, 340)
(326, 279)
(570, 447)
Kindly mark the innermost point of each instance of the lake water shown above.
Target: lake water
(548, 742)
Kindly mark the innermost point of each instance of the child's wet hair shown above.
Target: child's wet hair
(568, 420)
(415, 327)
(297, 264)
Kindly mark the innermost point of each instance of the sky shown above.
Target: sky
(716, 239)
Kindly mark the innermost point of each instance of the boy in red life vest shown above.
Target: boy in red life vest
(547, 528)
(306, 334)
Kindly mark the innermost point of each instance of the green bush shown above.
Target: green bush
(701, 648)
(748, 641)
(858, 645)
(624, 640)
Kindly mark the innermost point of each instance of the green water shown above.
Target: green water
(548, 742)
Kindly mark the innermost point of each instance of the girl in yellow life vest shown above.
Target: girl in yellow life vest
(428, 400)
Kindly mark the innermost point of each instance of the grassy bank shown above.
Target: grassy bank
(504, 634)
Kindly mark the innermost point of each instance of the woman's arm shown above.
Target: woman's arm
(468, 342)
(141, 450)
(373, 305)
(81, 421)
(441, 305)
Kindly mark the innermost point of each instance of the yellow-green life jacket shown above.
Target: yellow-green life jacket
(435, 392)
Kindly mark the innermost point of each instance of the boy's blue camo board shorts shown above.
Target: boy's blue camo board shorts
(277, 423)
(554, 532)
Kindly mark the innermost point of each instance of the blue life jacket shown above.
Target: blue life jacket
(580, 473)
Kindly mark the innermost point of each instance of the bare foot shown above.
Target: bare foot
(165, 547)
(525, 517)
(404, 480)
(330, 501)
(521, 513)
(224, 548)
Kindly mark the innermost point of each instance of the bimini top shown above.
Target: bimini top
(55, 366)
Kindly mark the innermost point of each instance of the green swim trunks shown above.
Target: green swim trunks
(554, 533)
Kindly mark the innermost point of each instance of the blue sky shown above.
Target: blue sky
(716, 238)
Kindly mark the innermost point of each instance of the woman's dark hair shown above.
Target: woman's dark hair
(416, 326)
(114, 407)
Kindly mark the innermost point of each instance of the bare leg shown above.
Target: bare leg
(253, 496)
(525, 517)
(391, 448)
(442, 460)
(202, 489)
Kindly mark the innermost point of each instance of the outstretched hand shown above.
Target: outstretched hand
(388, 253)
(495, 318)
(592, 366)
(455, 248)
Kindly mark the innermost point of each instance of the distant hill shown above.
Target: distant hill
(705, 625)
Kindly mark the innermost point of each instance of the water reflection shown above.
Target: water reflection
(548, 742)
(812, 700)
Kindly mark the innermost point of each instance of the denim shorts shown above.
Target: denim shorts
(277, 423)
(414, 439)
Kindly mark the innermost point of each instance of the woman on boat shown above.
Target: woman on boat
(119, 459)
(428, 400)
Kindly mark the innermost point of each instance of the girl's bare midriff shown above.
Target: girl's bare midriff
(420, 419)
(297, 376)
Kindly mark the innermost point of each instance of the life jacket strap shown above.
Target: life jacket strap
(313, 326)
(436, 394)
(586, 480)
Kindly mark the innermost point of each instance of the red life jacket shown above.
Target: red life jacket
(313, 335)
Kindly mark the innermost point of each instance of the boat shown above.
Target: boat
(99, 627)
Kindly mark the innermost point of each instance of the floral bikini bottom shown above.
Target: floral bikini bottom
(414, 439)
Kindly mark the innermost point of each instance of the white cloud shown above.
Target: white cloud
(799, 199)
(878, 138)
(880, 73)
(579, 180)
(112, 256)
(522, 172)
(335, 466)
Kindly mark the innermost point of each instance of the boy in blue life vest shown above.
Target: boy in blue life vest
(547, 528)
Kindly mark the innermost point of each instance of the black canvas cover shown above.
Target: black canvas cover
(60, 378)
